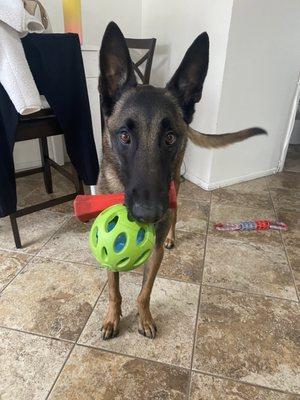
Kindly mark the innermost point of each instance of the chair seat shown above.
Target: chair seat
(39, 125)
(42, 114)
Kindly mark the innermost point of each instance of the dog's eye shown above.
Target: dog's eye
(125, 137)
(170, 138)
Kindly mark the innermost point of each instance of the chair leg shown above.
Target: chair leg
(15, 229)
(78, 184)
(45, 164)
(80, 187)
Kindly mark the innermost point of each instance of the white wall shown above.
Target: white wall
(55, 13)
(259, 41)
(260, 78)
(96, 14)
(175, 26)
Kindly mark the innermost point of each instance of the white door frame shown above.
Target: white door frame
(290, 126)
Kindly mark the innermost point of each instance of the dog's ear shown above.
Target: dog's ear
(116, 71)
(187, 82)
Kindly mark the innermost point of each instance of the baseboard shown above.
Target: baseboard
(197, 181)
(21, 166)
(227, 182)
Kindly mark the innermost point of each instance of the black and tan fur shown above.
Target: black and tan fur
(146, 131)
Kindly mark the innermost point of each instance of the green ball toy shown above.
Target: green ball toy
(118, 242)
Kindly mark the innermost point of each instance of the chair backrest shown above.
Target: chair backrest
(143, 44)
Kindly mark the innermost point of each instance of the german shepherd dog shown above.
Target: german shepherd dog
(144, 140)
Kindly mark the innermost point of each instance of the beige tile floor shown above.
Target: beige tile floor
(226, 304)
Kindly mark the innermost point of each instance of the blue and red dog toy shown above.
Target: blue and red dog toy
(259, 225)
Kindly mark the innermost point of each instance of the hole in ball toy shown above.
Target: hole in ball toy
(129, 217)
(112, 223)
(123, 262)
(120, 242)
(104, 253)
(140, 236)
(95, 236)
(141, 258)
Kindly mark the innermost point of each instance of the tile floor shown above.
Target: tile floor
(226, 304)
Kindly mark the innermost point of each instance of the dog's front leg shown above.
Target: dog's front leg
(170, 240)
(110, 327)
(147, 325)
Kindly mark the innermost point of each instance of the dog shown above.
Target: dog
(144, 140)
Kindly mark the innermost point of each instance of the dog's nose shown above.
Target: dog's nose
(147, 213)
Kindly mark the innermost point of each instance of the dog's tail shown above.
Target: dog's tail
(215, 141)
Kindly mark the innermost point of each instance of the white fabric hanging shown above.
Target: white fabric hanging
(15, 75)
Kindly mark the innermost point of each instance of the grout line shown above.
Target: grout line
(284, 248)
(203, 203)
(289, 264)
(68, 218)
(91, 347)
(103, 269)
(59, 372)
(289, 172)
(75, 343)
(69, 261)
(242, 239)
(209, 285)
(159, 276)
(44, 336)
(140, 274)
(132, 356)
(30, 254)
(240, 382)
(202, 234)
(17, 251)
(167, 279)
(21, 251)
(222, 377)
(60, 260)
(245, 207)
(31, 257)
(199, 300)
(261, 295)
(93, 308)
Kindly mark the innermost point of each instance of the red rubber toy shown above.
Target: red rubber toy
(87, 207)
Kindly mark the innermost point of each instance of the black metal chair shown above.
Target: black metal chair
(42, 125)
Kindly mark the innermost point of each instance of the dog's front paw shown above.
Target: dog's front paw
(109, 330)
(110, 327)
(169, 243)
(147, 327)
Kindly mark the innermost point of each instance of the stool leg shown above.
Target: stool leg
(15, 229)
(79, 184)
(80, 187)
(45, 164)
